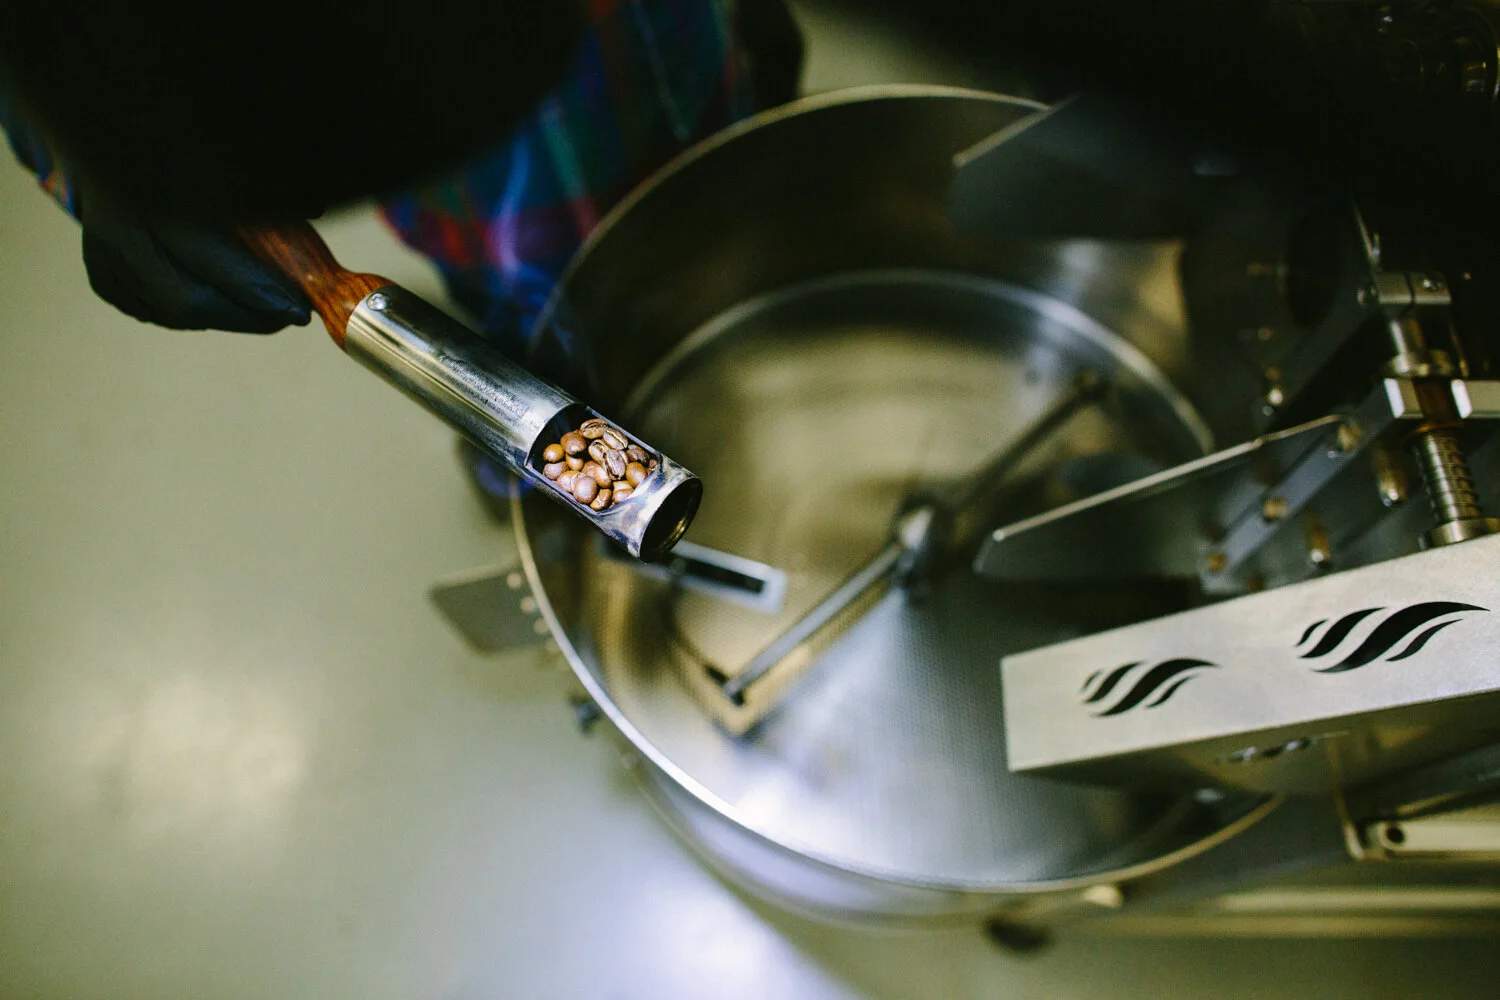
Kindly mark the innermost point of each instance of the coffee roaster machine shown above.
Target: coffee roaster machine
(1059, 560)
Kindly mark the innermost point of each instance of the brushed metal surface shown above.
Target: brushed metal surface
(814, 412)
(826, 342)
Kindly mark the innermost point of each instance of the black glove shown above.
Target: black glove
(183, 276)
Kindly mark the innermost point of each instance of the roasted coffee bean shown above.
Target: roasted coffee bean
(614, 461)
(597, 464)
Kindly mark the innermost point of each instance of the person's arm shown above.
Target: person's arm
(650, 78)
(173, 274)
(35, 155)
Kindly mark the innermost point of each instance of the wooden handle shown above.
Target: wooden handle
(296, 249)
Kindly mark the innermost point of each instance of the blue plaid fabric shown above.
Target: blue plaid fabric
(650, 78)
(36, 156)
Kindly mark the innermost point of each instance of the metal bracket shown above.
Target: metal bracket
(1089, 166)
(1335, 682)
(1215, 517)
(493, 609)
(1469, 834)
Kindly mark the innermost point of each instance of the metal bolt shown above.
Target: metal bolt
(1217, 561)
(377, 302)
(1319, 550)
(539, 626)
(513, 580)
(585, 712)
(1390, 477)
(1428, 285)
(1349, 436)
(1274, 508)
(1275, 396)
(1450, 487)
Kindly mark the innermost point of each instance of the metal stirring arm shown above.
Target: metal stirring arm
(923, 540)
(728, 577)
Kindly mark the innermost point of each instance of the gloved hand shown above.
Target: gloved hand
(183, 276)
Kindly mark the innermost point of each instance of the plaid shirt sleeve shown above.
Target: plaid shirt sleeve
(650, 78)
(35, 156)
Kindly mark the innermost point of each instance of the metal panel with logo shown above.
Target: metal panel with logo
(1303, 689)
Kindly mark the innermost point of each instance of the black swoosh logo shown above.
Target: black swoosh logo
(1166, 678)
(1336, 633)
(1396, 628)
(1310, 630)
(1172, 674)
(1421, 640)
(1108, 684)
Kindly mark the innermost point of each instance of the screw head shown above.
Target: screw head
(1217, 561)
(377, 302)
(1274, 508)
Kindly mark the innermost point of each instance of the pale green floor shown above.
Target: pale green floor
(241, 757)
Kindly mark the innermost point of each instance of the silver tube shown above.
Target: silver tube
(507, 411)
